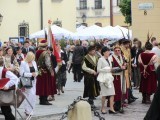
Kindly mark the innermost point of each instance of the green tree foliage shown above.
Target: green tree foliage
(125, 8)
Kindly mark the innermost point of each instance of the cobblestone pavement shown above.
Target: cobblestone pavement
(135, 111)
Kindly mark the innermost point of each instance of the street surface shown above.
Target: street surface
(135, 111)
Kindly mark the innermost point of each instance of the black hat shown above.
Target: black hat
(90, 48)
(125, 41)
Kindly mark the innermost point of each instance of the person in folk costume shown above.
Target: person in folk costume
(153, 112)
(46, 77)
(13, 80)
(61, 74)
(10, 61)
(118, 61)
(54, 64)
(125, 47)
(147, 62)
(19, 56)
(89, 66)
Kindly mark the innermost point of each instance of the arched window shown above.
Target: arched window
(98, 4)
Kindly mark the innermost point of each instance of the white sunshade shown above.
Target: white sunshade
(58, 33)
(89, 33)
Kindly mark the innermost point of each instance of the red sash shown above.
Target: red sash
(3, 80)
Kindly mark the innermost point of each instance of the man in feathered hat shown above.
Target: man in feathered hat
(125, 47)
(46, 74)
(91, 86)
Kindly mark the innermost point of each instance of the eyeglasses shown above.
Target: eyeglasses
(117, 50)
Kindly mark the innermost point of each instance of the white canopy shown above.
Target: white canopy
(96, 32)
(89, 33)
(82, 27)
(58, 33)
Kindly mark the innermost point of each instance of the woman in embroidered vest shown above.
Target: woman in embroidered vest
(104, 68)
(10, 61)
(148, 83)
(119, 82)
(28, 68)
(91, 87)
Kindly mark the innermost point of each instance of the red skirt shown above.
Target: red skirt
(149, 85)
(117, 87)
(46, 85)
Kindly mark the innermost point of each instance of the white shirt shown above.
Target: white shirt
(13, 79)
(156, 50)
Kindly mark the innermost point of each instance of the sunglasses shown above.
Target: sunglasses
(117, 50)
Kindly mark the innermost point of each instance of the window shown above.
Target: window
(98, 4)
(83, 4)
(23, 29)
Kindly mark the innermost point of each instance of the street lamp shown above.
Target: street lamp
(1, 18)
(84, 18)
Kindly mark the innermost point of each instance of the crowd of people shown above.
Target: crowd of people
(110, 71)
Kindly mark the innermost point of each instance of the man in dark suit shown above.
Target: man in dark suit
(26, 48)
(136, 50)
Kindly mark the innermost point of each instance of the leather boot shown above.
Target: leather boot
(130, 100)
(143, 98)
(148, 99)
(44, 101)
(117, 105)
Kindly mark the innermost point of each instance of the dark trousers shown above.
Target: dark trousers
(136, 76)
(77, 71)
(7, 112)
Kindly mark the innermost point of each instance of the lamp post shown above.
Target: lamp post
(84, 18)
(1, 18)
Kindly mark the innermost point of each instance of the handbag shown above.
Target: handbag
(26, 82)
(7, 97)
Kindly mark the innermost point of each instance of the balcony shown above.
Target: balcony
(23, 1)
(82, 8)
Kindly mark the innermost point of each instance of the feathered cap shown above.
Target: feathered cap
(148, 45)
(124, 40)
(43, 43)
